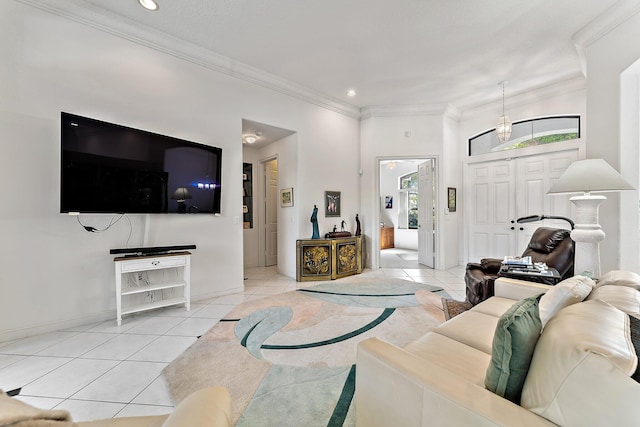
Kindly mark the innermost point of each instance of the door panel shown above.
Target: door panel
(535, 175)
(271, 212)
(426, 254)
(491, 212)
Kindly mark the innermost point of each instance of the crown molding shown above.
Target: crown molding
(410, 110)
(606, 22)
(127, 29)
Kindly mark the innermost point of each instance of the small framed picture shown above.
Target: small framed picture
(331, 203)
(451, 199)
(286, 197)
(388, 202)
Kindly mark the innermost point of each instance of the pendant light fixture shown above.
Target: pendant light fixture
(503, 128)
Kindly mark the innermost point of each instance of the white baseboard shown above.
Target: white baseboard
(29, 331)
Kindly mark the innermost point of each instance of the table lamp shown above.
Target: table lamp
(181, 194)
(587, 176)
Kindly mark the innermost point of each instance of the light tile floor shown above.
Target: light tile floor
(104, 370)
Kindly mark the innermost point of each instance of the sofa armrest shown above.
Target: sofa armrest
(207, 407)
(394, 387)
(517, 289)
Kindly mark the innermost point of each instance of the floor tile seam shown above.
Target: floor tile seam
(49, 346)
(144, 389)
(105, 373)
(115, 335)
(71, 359)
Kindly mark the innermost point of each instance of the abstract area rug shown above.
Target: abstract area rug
(289, 359)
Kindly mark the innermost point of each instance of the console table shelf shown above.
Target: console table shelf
(136, 266)
(149, 288)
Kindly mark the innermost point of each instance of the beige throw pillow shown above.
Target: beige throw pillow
(623, 298)
(620, 278)
(570, 291)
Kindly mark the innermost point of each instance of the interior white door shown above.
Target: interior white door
(271, 212)
(502, 191)
(491, 204)
(534, 176)
(426, 212)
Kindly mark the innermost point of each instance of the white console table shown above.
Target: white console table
(130, 265)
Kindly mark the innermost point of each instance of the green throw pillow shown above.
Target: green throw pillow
(515, 339)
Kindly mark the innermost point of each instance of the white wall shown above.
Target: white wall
(54, 273)
(453, 153)
(607, 58)
(386, 137)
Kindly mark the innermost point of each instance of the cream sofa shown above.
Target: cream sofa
(579, 373)
(208, 407)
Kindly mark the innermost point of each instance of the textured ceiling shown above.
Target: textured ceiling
(400, 52)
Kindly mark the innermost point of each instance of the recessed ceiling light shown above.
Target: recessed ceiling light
(351, 92)
(148, 4)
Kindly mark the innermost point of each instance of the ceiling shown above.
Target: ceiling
(399, 55)
(392, 52)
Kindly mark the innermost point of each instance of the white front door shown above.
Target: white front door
(534, 176)
(426, 238)
(271, 212)
(491, 200)
(501, 191)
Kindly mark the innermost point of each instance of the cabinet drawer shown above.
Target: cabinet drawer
(153, 263)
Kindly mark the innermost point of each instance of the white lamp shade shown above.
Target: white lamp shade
(590, 175)
(181, 194)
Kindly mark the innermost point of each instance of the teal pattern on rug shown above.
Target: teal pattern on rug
(297, 397)
(382, 295)
(305, 340)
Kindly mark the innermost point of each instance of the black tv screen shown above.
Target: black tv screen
(109, 168)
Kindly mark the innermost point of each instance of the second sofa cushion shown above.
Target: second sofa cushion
(514, 341)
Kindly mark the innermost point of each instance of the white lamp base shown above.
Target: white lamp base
(587, 235)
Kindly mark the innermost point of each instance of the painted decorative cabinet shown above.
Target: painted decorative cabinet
(329, 259)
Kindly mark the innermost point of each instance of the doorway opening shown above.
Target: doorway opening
(267, 151)
(407, 213)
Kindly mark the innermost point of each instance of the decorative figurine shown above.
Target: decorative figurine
(358, 231)
(343, 225)
(314, 221)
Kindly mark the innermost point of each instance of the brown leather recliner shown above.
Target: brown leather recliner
(553, 246)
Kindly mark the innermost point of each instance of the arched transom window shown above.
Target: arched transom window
(527, 133)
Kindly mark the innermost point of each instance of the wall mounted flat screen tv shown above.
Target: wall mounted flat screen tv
(109, 168)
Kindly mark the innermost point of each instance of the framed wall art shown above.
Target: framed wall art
(451, 199)
(286, 197)
(331, 203)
